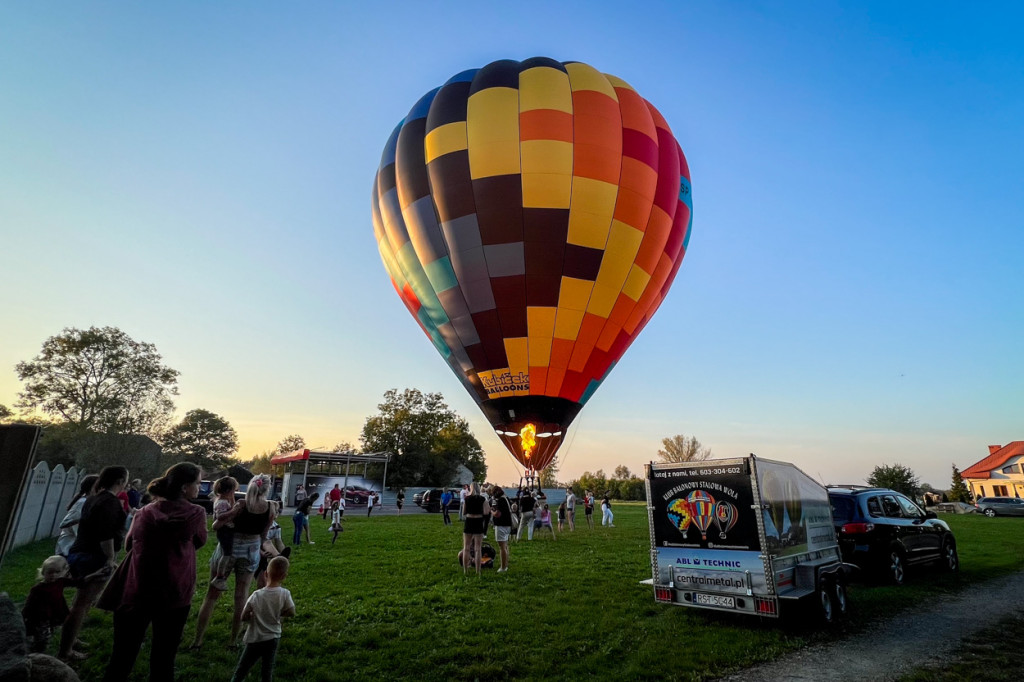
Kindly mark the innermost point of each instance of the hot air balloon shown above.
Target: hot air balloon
(680, 514)
(725, 517)
(532, 216)
(703, 508)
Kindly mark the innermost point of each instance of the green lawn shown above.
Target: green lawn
(389, 601)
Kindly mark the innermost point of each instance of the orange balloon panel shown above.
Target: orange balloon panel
(532, 216)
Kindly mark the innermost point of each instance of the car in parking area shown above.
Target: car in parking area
(884, 532)
(205, 497)
(1000, 506)
(431, 500)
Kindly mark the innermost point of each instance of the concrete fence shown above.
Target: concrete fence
(44, 501)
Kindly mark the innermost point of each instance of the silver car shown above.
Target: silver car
(1000, 506)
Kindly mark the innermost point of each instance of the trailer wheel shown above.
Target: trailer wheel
(825, 603)
(840, 605)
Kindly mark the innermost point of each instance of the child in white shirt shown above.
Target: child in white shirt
(263, 612)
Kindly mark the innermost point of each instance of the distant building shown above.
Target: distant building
(1001, 474)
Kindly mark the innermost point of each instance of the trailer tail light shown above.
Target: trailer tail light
(765, 607)
(663, 594)
(857, 528)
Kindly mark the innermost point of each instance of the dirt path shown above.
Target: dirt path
(898, 646)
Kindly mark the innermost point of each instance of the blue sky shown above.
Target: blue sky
(199, 176)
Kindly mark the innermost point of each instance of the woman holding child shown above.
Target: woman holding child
(251, 518)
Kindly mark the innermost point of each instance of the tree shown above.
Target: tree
(622, 472)
(428, 439)
(260, 464)
(897, 477)
(681, 448)
(5, 413)
(549, 475)
(959, 491)
(596, 483)
(202, 438)
(100, 379)
(343, 447)
(290, 444)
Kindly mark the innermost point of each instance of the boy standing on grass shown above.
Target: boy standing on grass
(263, 612)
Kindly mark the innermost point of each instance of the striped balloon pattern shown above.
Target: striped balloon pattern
(532, 216)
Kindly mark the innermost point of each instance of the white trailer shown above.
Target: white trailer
(745, 535)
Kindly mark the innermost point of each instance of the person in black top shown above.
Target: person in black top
(301, 519)
(476, 508)
(400, 500)
(526, 508)
(93, 557)
(501, 512)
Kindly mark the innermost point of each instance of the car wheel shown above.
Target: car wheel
(897, 570)
(825, 603)
(990, 513)
(950, 557)
(839, 603)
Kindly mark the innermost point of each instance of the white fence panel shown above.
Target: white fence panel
(73, 477)
(32, 504)
(50, 501)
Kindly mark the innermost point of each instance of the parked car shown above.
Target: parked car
(205, 497)
(431, 500)
(884, 532)
(240, 493)
(1000, 506)
(417, 499)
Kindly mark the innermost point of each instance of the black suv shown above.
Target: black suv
(884, 532)
(431, 501)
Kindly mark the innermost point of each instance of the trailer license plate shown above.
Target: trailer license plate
(715, 600)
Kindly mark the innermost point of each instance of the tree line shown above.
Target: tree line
(105, 397)
(102, 397)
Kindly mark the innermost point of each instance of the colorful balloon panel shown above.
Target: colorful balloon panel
(703, 506)
(531, 216)
(680, 514)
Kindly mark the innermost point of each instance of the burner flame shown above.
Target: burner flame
(528, 438)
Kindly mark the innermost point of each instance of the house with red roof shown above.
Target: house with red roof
(1001, 474)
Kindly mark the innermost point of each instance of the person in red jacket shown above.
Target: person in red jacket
(158, 580)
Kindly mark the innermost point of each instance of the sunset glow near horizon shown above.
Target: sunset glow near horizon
(199, 176)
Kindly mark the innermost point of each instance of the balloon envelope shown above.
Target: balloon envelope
(532, 216)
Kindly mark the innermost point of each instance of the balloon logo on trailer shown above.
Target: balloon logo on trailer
(703, 506)
(532, 217)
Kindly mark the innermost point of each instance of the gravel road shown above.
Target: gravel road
(900, 645)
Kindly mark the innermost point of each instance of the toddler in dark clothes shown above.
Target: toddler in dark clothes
(46, 608)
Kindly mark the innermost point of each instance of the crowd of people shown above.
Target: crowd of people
(160, 529)
(152, 586)
(529, 510)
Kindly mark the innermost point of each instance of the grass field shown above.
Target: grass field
(390, 602)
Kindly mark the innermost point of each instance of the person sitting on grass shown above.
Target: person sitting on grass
(225, 489)
(263, 612)
(46, 608)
